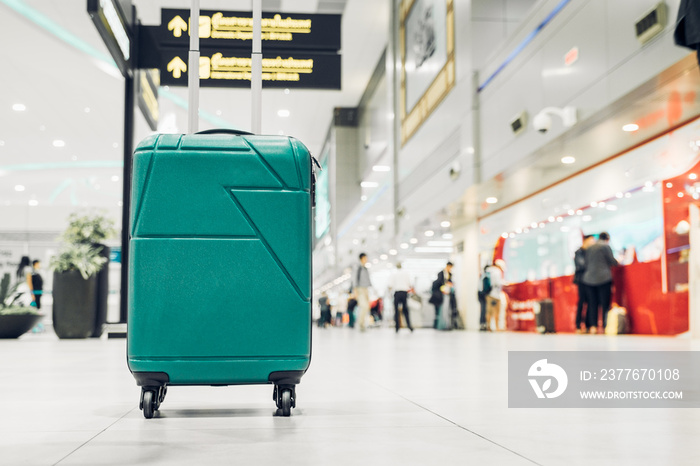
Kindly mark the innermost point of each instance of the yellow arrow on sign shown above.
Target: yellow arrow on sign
(177, 67)
(177, 25)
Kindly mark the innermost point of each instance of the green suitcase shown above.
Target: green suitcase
(220, 263)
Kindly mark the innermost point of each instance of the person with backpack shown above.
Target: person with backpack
(484, 290)
(493, 297)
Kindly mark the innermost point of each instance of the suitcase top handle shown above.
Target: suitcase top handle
(225, 131)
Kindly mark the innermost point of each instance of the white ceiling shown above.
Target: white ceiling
(52, 63)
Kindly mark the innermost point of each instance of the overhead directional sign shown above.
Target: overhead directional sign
(234, 29)
(233, 69)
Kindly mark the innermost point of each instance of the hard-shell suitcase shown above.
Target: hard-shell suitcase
(544, 316)
(220, 264)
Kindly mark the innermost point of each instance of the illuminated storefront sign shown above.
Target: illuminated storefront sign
(112, 24)
(234, 29)
(147, 82)
(233, 69)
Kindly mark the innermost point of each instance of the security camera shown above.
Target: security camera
(542, 122)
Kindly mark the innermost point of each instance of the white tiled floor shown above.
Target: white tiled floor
(375, 398)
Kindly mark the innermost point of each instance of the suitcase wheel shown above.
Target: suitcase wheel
(150, 403)
(286, 402)
(284, 397)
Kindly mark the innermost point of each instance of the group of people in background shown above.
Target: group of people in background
(593, 276)
(359, 306)
(28, 274)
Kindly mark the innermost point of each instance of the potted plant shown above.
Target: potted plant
(81, 283)
(15, 319)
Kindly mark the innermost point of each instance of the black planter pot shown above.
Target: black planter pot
(16, 325)
(74, 304)
(102, 293)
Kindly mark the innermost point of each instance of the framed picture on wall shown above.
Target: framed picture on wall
(427, 59)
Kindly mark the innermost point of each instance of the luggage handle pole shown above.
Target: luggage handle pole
(193, 66)
(256, 69)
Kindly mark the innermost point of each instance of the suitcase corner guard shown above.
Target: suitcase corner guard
(285, 377)
(151, 379)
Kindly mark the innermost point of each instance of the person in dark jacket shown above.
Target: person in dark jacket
(598, 280)
(441, 288)
(580, 263)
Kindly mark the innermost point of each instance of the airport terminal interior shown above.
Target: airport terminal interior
(373, 232)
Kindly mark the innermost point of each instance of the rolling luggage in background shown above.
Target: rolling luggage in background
(220, 263)
(617, 321)
(544, 316)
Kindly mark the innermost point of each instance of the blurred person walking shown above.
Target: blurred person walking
(443, 287)
(580, 263)
(484, 290)
(598, 280)
(36, 283)
(361, 285)
(493, 297)
(400, 284)
(325, 306)
(352, 304)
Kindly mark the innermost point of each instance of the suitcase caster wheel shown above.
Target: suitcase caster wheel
(286, 403)
(149, 404)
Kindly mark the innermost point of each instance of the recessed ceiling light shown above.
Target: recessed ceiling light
(86, 109)
(115, 178)
(568, 160)
(413, 240)
(19, 107)
(491, 200)
(429, 233)
(369, 184)
(33, 202)
(692, 176)
(447, 236)
(363, 198)
(115, 144)
(219, 113)
(74, 158)
(445, 224)
(372, 227)
(59, 143)
(403, 245)
(680, 194)
(551, 219)
(380, 218)
(19, 187)
(383, 257)
(504, 235)
(286, 91)
(284, 113)
(630, 127)
(571, 212)
(393, 252)
(381, 168)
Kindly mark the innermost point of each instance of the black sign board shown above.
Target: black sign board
(113, 24)
(222, 68)
(234, 29)
(146, 84)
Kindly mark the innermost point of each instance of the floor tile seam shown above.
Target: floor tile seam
(455, 424)
(94, 437)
